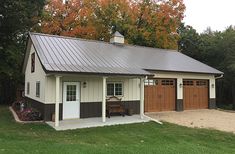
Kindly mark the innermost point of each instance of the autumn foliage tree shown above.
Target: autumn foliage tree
(71, 19)
(143, 22)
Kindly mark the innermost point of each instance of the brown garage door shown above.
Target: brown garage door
(195, 94)
(160, 95)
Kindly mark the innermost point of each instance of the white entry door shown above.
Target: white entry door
(71, 100)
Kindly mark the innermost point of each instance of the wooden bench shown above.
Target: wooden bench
(114, 105)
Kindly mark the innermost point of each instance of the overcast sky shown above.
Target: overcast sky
(217, 14)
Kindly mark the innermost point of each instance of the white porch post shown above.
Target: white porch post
(104, 100)
(141, 98)
(57, 100)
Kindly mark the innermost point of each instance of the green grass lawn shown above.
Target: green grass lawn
(134, 138)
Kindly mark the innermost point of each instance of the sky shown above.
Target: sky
(217, 14)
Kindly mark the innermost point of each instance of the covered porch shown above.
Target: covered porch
(98, 86)
(97, 122)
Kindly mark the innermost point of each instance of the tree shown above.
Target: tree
(143, 22)
(111, 16)
(70, 19)
(216, 49)
(16, 19)
(189, 42)
(227, 61)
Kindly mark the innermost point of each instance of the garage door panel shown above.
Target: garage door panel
(161, 95)
(195, 94)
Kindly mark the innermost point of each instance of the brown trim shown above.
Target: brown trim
(135, 105)
(179, 105)
(46, 109)
(87, 110)
(90, 109)
(212, 103)
(94, 109)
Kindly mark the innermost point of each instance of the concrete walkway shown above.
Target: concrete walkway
(204, 118)
(97, 122)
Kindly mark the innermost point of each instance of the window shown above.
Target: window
(114, 89)
(151, 82)
(201, 83)
(32, 62)
(71, 93)
(118, 89)
(167, 82)
(28, 88)
(188, 83)
(38, 89)
(110, 89)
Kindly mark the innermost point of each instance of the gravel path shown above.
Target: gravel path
(212, 119)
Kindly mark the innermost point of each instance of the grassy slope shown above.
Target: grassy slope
(135, 138)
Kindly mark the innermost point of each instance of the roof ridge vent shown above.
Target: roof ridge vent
(117, 38)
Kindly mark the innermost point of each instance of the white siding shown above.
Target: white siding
(131, 86)
(131, 89)
(93, 90)
(32, 78)
(181, 76)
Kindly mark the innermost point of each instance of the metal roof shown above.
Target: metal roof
(66, 54)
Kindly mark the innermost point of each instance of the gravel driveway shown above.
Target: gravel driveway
(204, 118)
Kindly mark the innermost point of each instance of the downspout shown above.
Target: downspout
(222, 75)
(219, 77)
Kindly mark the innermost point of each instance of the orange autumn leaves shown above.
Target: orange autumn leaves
(143, 22)
(71, 19)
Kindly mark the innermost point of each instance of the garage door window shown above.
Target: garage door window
(167, 82)
(151, 82)
(188, 83)
(201, 83)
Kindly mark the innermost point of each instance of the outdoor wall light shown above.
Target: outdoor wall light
(181, 85)
(84, 84)
(212, 85)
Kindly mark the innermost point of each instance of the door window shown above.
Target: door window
(71, 93)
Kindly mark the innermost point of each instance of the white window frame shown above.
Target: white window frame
(114, 82)
(38, 92)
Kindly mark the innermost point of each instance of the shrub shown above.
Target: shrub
(25, 113)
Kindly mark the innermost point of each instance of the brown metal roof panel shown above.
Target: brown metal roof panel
(38, 48)
(93, 56)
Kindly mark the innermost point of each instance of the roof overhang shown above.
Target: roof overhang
(209, 73)
(49, 73)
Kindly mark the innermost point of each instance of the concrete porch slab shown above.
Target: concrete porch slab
(97, 122)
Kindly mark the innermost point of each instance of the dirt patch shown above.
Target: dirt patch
(213, 119)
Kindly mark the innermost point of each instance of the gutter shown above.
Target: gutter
(222, 75)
